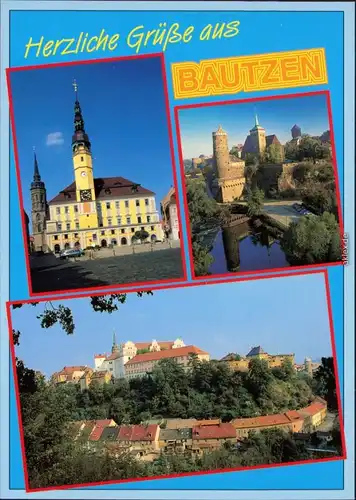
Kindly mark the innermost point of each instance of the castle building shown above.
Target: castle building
(230, 172)
(142, 364)
(241, 363)
(69, 374)
(257, 143)
(115, 362)
(91, 211)
(169, 213)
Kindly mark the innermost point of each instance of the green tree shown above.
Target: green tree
(275, 153)
(202, 208)
(255, 199)
(324, 378)
(313, 239)
(141, 235)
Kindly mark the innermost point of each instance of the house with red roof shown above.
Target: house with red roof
(314, 414)
(69, 374)
(211, 437)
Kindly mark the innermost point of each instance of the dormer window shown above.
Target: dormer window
(107, 191)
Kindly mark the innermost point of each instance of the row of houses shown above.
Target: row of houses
(149, 439)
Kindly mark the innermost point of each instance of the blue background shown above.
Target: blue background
(260, 32)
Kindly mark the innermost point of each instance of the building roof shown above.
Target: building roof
(138, 432)
(313, 408)
(112, 356)
(181, 423)
(105, 188)
(229, 357)
(109, 434)
(272, 139)
(264, 421)
(175, 434)
(100, 374)
(255, 350)
(170, 353)
(221, 431)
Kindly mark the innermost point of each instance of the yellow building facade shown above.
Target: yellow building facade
(96, 212)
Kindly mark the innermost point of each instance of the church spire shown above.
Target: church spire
(79, 136)
(36, 171)
(256, 121)
(115, 347)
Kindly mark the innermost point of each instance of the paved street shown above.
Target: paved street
(51, 274)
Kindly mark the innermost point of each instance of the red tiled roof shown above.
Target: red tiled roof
(99, 426)
(264, 421)
(100, 356)
(100, 374)
(293, 415)
(70, 369)
(137, 432)
(221, 431)
(105, 188)
(313, 408)
(170, 353)
(216, 421)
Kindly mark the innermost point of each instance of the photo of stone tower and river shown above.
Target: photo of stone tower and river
(268, 201)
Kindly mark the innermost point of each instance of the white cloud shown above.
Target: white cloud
(54, 139)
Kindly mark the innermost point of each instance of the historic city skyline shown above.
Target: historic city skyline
(276, 116)
(218, 334)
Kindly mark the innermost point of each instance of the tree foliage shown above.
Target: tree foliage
(313, 239)
(255, 199)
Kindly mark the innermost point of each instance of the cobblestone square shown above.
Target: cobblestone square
(50, 274)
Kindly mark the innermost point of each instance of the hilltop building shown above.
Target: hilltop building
(169, 213)
(230, 180)
(90, 211)
(115, 362)
(142, 364)
(241, 363)
(257, 143)
(69, 374)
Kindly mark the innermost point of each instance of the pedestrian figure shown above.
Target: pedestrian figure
(113, 251)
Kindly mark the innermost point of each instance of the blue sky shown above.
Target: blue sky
(123, 106)
(282, 315)
(277, 116)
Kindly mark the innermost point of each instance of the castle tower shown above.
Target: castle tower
(221, 153)
(83, 170)
(308, 366)
(39, 211)
(296, 132)
(258, 138)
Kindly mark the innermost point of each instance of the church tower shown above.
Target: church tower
(39, 211)
(83, 170)
(115, 347)
(258, 138)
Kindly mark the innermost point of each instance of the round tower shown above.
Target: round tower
(221, 153)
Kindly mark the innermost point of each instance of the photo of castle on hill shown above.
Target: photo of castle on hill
(116, 404)
(99, 198)
(261, 188)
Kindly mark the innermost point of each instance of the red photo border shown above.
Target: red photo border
(184, 190)
(200, 473)
(117, 287)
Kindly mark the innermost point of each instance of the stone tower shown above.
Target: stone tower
(230, 174)
(258, 138)
(296, 132)
(308, 366)
(39, 211)
(221, 153)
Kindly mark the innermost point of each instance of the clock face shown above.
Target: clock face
(83, 174)
(85, 195)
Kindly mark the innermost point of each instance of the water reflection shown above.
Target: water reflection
(243, 248)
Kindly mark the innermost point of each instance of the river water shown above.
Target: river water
(242, 248)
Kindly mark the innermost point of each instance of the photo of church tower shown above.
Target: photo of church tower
(91, 211)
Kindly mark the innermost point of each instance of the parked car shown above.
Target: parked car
(71, 253)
